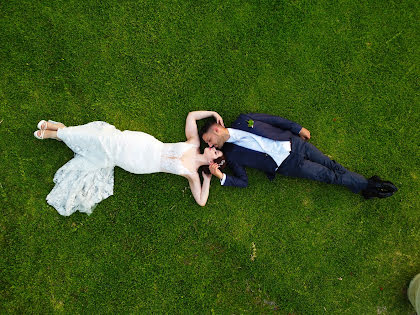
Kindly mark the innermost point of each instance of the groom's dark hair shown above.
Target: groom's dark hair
(209, 122)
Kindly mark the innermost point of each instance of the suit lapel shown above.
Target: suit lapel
(259, 128)
(236, 152)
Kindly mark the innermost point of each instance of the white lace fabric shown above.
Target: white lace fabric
(80, 185)
(171, 158)
(98, 147)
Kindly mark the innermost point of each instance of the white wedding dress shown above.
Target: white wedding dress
(98, 147)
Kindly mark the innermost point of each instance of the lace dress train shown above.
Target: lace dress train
(88, 178)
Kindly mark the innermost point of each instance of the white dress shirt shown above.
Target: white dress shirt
(278, 150)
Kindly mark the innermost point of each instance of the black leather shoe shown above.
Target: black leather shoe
(382, 185)
(378, 188)
(389, 187)
(368, 194)
(374, 182)
(384, 194)
(375, 193)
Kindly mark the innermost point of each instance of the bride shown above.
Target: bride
(88, 178)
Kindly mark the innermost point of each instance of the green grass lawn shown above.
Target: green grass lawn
(345, 70)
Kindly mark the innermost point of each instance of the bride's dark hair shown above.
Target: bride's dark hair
(220, 160)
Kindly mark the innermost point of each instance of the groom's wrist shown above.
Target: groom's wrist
(223, 179)
(219, 175)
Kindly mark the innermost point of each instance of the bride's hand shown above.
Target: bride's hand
(219, 119)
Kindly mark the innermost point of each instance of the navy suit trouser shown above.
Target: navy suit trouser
(306, 161)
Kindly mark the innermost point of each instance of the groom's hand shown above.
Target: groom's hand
(214, 169)
(305, 134)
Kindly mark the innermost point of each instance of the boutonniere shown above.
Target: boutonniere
(250, 123)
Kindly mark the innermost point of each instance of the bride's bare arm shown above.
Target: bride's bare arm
(200, 192)
(191, 131)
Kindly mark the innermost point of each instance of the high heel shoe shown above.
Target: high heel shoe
(42, 134)
(40, 127)
(41, 123)
(41, 137)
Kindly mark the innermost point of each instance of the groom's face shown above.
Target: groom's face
(213, 138)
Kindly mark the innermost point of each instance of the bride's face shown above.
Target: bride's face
(212, 153)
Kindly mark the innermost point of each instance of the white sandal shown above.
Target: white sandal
(42, 134)
(40, 124)
(43, 121)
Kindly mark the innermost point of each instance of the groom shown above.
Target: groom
(276, 145)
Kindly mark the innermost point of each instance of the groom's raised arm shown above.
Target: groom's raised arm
(282, 123)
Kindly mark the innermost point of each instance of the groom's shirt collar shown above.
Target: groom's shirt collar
(233, 135)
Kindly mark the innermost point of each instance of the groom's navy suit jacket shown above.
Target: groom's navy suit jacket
(272, 127)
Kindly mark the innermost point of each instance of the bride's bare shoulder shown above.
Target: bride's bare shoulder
(192, 177)
(194, 143)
